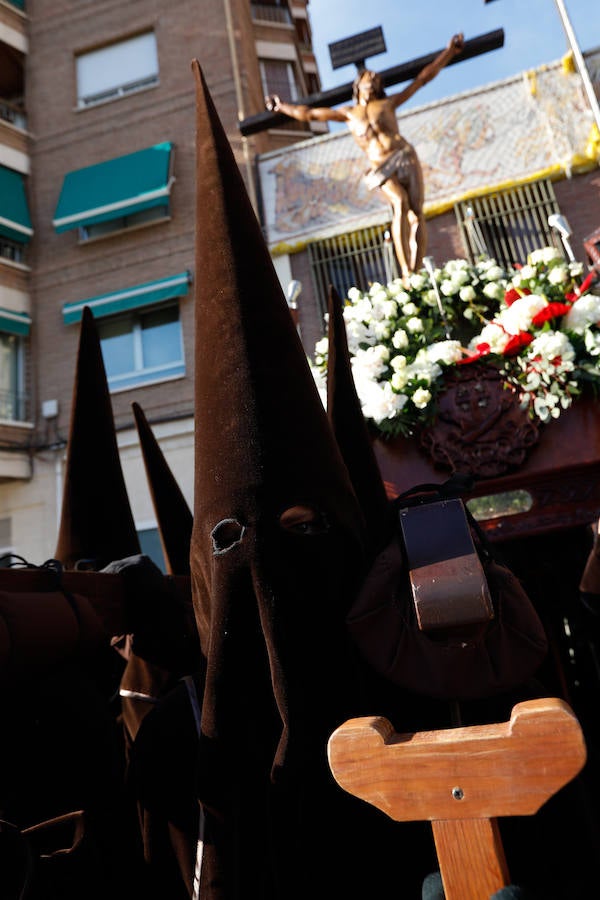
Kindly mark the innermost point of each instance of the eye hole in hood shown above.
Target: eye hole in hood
(303, 520)
(226, 534)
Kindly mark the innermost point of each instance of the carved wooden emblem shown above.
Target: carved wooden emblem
(480, 428)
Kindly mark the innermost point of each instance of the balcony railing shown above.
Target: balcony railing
(13, 114)
(263, 13)
(14, 406)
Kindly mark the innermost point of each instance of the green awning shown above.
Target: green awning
(14, 322)
(14, 212)
(119, 187)
(129, 298)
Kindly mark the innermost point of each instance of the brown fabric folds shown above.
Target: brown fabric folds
(42, 628)
(465, 663)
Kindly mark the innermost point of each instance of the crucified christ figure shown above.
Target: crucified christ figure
(394, 164)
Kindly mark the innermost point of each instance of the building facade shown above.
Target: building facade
(97, 208)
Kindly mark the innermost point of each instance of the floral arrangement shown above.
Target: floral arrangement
(539, 324)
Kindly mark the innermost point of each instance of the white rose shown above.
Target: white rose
(414, 325)
(558, 275)
(493, 290)
(421, 398)
(398, 362)
(449, 288)
(400, 339)
(418, 281)
(467, 293)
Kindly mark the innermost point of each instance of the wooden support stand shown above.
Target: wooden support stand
(462, 780)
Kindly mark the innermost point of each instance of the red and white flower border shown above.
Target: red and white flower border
(539, 324)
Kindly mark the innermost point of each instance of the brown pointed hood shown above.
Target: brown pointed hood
(173, 515)
(263, 442)
(350, 428)
(96, 522)
(277, 536)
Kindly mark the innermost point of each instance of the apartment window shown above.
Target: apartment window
(12, 395)
(136, 220)
(271, 11)
(351, 260)
(508, 225)
(279, 77)
(142, 346)
(117, 69)
(11, 250)
(124, 192)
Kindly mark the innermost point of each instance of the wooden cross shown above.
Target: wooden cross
(462, 780)
(483, 43)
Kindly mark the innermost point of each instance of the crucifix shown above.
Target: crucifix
(394, 169)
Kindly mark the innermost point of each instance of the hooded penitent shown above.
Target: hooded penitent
(96, 524)
(276, 553)
(350, 429)
(173, 514)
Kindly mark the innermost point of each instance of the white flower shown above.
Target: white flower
(544, 256)
(583, 313)
(320, 381)
(400, 339)
(494, 273)
(519, 316)
(399, 380)
(322, 346)
(372, 361)
(379, 401)
(592, 342)
(493, 335)
(418, 281)
(429, 298)
(447, 352)
(449, 287)
(389, 370)
(467, 293)
(552, 344)
(381, 329)
(423, 368)
(414, 325)
(493, 290)
(575, 269)
(398, 362)
(421, 398)
(558, 275)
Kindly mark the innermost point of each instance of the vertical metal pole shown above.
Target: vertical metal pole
(580, 61)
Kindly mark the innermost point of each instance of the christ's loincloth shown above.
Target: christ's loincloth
(400, 163)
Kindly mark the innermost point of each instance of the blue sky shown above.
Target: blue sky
(533, 35)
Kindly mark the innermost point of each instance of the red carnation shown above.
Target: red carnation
(516, 342)
(514, 294)
(583, 287)
(552, 311)
(482, 349)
